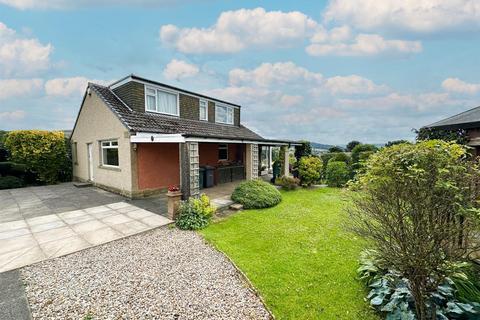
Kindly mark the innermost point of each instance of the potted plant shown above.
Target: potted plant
(174, 198)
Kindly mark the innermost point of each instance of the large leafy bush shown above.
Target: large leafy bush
(418, 208)
(43, 152)
(256, 194)
(309, 170)
(195, 214)
(337, 173)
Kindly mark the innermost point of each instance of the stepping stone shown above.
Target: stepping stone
(236, 206)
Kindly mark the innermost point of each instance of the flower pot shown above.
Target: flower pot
(174, 199)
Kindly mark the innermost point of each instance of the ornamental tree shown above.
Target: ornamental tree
(417, 206)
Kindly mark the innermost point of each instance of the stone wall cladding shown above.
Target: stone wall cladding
(236, 116)
(133, 94)
(211, 111)
(189, 107)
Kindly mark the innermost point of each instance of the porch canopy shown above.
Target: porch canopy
(194, 147)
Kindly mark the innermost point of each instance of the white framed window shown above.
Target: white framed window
(223, 114)
(203, 110)
(223, 152)
(161, 101)
(109, 153)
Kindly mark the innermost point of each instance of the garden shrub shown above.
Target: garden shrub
(10, 182)
(359, 148)
(352, 144)
(43, 152)
(8, 168)
(288, 183)
(337, 174)
(256, 194)
(309, 170)
(390, 293)
(195, 214)
(340, 156)
(417, 207)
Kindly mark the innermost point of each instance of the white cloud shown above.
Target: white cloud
(361, 45)
(459, 86)
(291, 100)
(422, 16)
(397, 101)
(70, 4)
(178, 69)
(22, 56)
(12, 115)
(237, 30)
(69, 86)
(19, 87)
(353, 84)
(279, 73)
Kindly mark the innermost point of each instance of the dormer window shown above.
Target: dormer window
(203, 110)
(224, 114)
(161, 101)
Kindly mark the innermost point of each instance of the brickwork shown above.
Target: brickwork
(189, 107)
(133, 94)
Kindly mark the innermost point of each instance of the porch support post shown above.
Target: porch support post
(286, 161)
(269, 159)
(189, 163)
(251, 161)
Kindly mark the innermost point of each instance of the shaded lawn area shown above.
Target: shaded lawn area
(298, 255)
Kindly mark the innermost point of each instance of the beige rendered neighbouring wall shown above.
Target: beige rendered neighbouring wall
(96, 122)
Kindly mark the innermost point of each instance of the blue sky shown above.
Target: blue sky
(326, 71)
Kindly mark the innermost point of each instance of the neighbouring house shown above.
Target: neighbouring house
(136, 137)
(468, 120)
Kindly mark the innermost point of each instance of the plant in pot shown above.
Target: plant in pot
(174, 199)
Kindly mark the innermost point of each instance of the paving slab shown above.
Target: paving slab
(31, 240)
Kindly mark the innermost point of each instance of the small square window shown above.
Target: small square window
(110, 153)
(222, 152)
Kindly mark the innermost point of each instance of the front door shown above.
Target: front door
(90, 161)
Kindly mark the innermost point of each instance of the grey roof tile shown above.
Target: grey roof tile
(464, 119)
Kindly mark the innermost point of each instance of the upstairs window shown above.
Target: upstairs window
(222, 152)
(203, 110)
(110, 153)
(224, 114)
(161, 101)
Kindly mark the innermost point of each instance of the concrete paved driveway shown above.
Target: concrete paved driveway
(39, 223)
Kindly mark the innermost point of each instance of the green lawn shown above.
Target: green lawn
(298, 255)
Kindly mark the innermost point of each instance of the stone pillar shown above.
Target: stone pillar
(189, 164)
(286, 161)
(251, 161)
(269, 159)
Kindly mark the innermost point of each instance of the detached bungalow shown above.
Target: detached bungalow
(136, 137)
(468, 120)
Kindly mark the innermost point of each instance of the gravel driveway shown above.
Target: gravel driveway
(161, 274)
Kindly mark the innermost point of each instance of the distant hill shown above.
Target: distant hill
(322, 146)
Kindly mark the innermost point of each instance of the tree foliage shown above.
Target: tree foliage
(303, 150)
(337, 173)
(418, 207)
(352, 144)
(394, 142)
(43, 152)
(457, 135)
(335, 149)
(309, 170)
